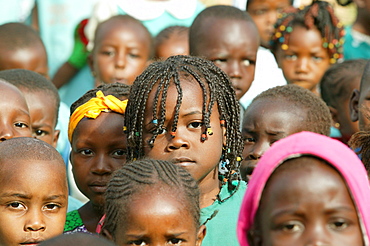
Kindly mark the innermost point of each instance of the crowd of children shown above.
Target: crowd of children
(203, 126)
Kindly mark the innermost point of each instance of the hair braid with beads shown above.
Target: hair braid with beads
(216, 88)
(138, 176)
(319, 15)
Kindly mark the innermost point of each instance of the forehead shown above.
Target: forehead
(26, 58)
(12, 94)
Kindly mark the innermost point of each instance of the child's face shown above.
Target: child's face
(33, 201)
(98, 149)
(120, 54)
(33, 58)
(175, 45)
(232, 45)
(14, 115)
(158, 219)
(260, 130)
(306, 60)
(43, 112)
(186, 149)
(264, 14)
(360, 107)
(316, 210)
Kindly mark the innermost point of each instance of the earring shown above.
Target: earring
(337, 125)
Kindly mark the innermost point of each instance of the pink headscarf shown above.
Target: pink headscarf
(334, 152)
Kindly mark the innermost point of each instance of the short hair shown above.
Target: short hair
(119, 90)
(27, 148)
(81, 239)
(167, 33)
(365, 79)
(360, 143)
(336, 82)
(139, 175)
(196, 31)
(128, 19)
(32, 82)
(216, 88)
(16, 36)
(249, 1)
(318, 115)
(319, 15)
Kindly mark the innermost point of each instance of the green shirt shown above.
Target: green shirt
(221, 229)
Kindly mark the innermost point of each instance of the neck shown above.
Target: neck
(209, 188)
(362, 23)
(91, 215)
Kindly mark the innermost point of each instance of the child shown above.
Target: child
(34, 192)
(22, 47)
(143, 196)
(228, 37)
(173, 40)
(336, 87)
(306, 42)
(98, 115)
(80, 239)
(327, 205)
(359, 103)
(14, 115)
(43, 102)
(286, 110)
(184, 110)
(360, 142)
(122, 50)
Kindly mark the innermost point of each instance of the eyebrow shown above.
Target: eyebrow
(193, 113)
(24, 196)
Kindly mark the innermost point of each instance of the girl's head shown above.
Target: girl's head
(336, 87)
(306, 42)
(143, 196)
(97, 138)
(184, 110)
(287, 110)
(173, 40)
(122, 50)
(265, 14)
(325, 201)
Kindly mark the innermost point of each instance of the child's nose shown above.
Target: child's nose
(120, 61)
(177, 141)
(234, 69)
(6, 132)
(258, 150)
(101, 165)
(302, 65)
(316, 235)
(35, 221)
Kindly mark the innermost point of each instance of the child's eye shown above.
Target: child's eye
(40, 133)
(175, 241)
(338, 225)
(51, 206)
(138, 242)
(249, 140)
(292, 227)
(108, 53)
(247, 62)
(16, 205)
(21, 125)
(119, 152)
(317, 58)
(259, 11)
(134, 55)
(290, 57)
(162, 131)
(196, 125)
(219, 61)
(87, 152)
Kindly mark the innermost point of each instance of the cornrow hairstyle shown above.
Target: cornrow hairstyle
(138, 176)
(319, 15)
(216, 88)
(33, 82)
(197, 29)
(318, 115)
(125, 20)
(167, 33)
(335, 84)
(360, 142)
(119, 90)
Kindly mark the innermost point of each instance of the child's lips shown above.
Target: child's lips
(98, 187)
(183, 161)
(35, 241)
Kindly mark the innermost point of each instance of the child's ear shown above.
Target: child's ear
(254, 238)
(334, 116)
(353, 105)
(201, 234)
(55, 138)
(90, 62)
(105, 233)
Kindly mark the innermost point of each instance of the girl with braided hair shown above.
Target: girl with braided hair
(184, 110)
(306, 42)
(98, 149)
(143, 196)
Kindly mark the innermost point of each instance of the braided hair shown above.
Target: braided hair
(119, 90)
(320, 15)
(216, 88)
(138, 176)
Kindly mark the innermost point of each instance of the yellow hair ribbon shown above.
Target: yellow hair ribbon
(93, 108)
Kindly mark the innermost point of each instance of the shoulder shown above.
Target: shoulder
(73, 221)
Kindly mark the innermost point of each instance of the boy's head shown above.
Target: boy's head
(336, 87)
(160, 191)
(81, 239)
(173, 40)
(229, 38)
(306, 42)
(360, 102)
(122, 50)
(34, 192)
(265, 13)
(286, 110)
(43, 102)
(22, 47)
(14, 114)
